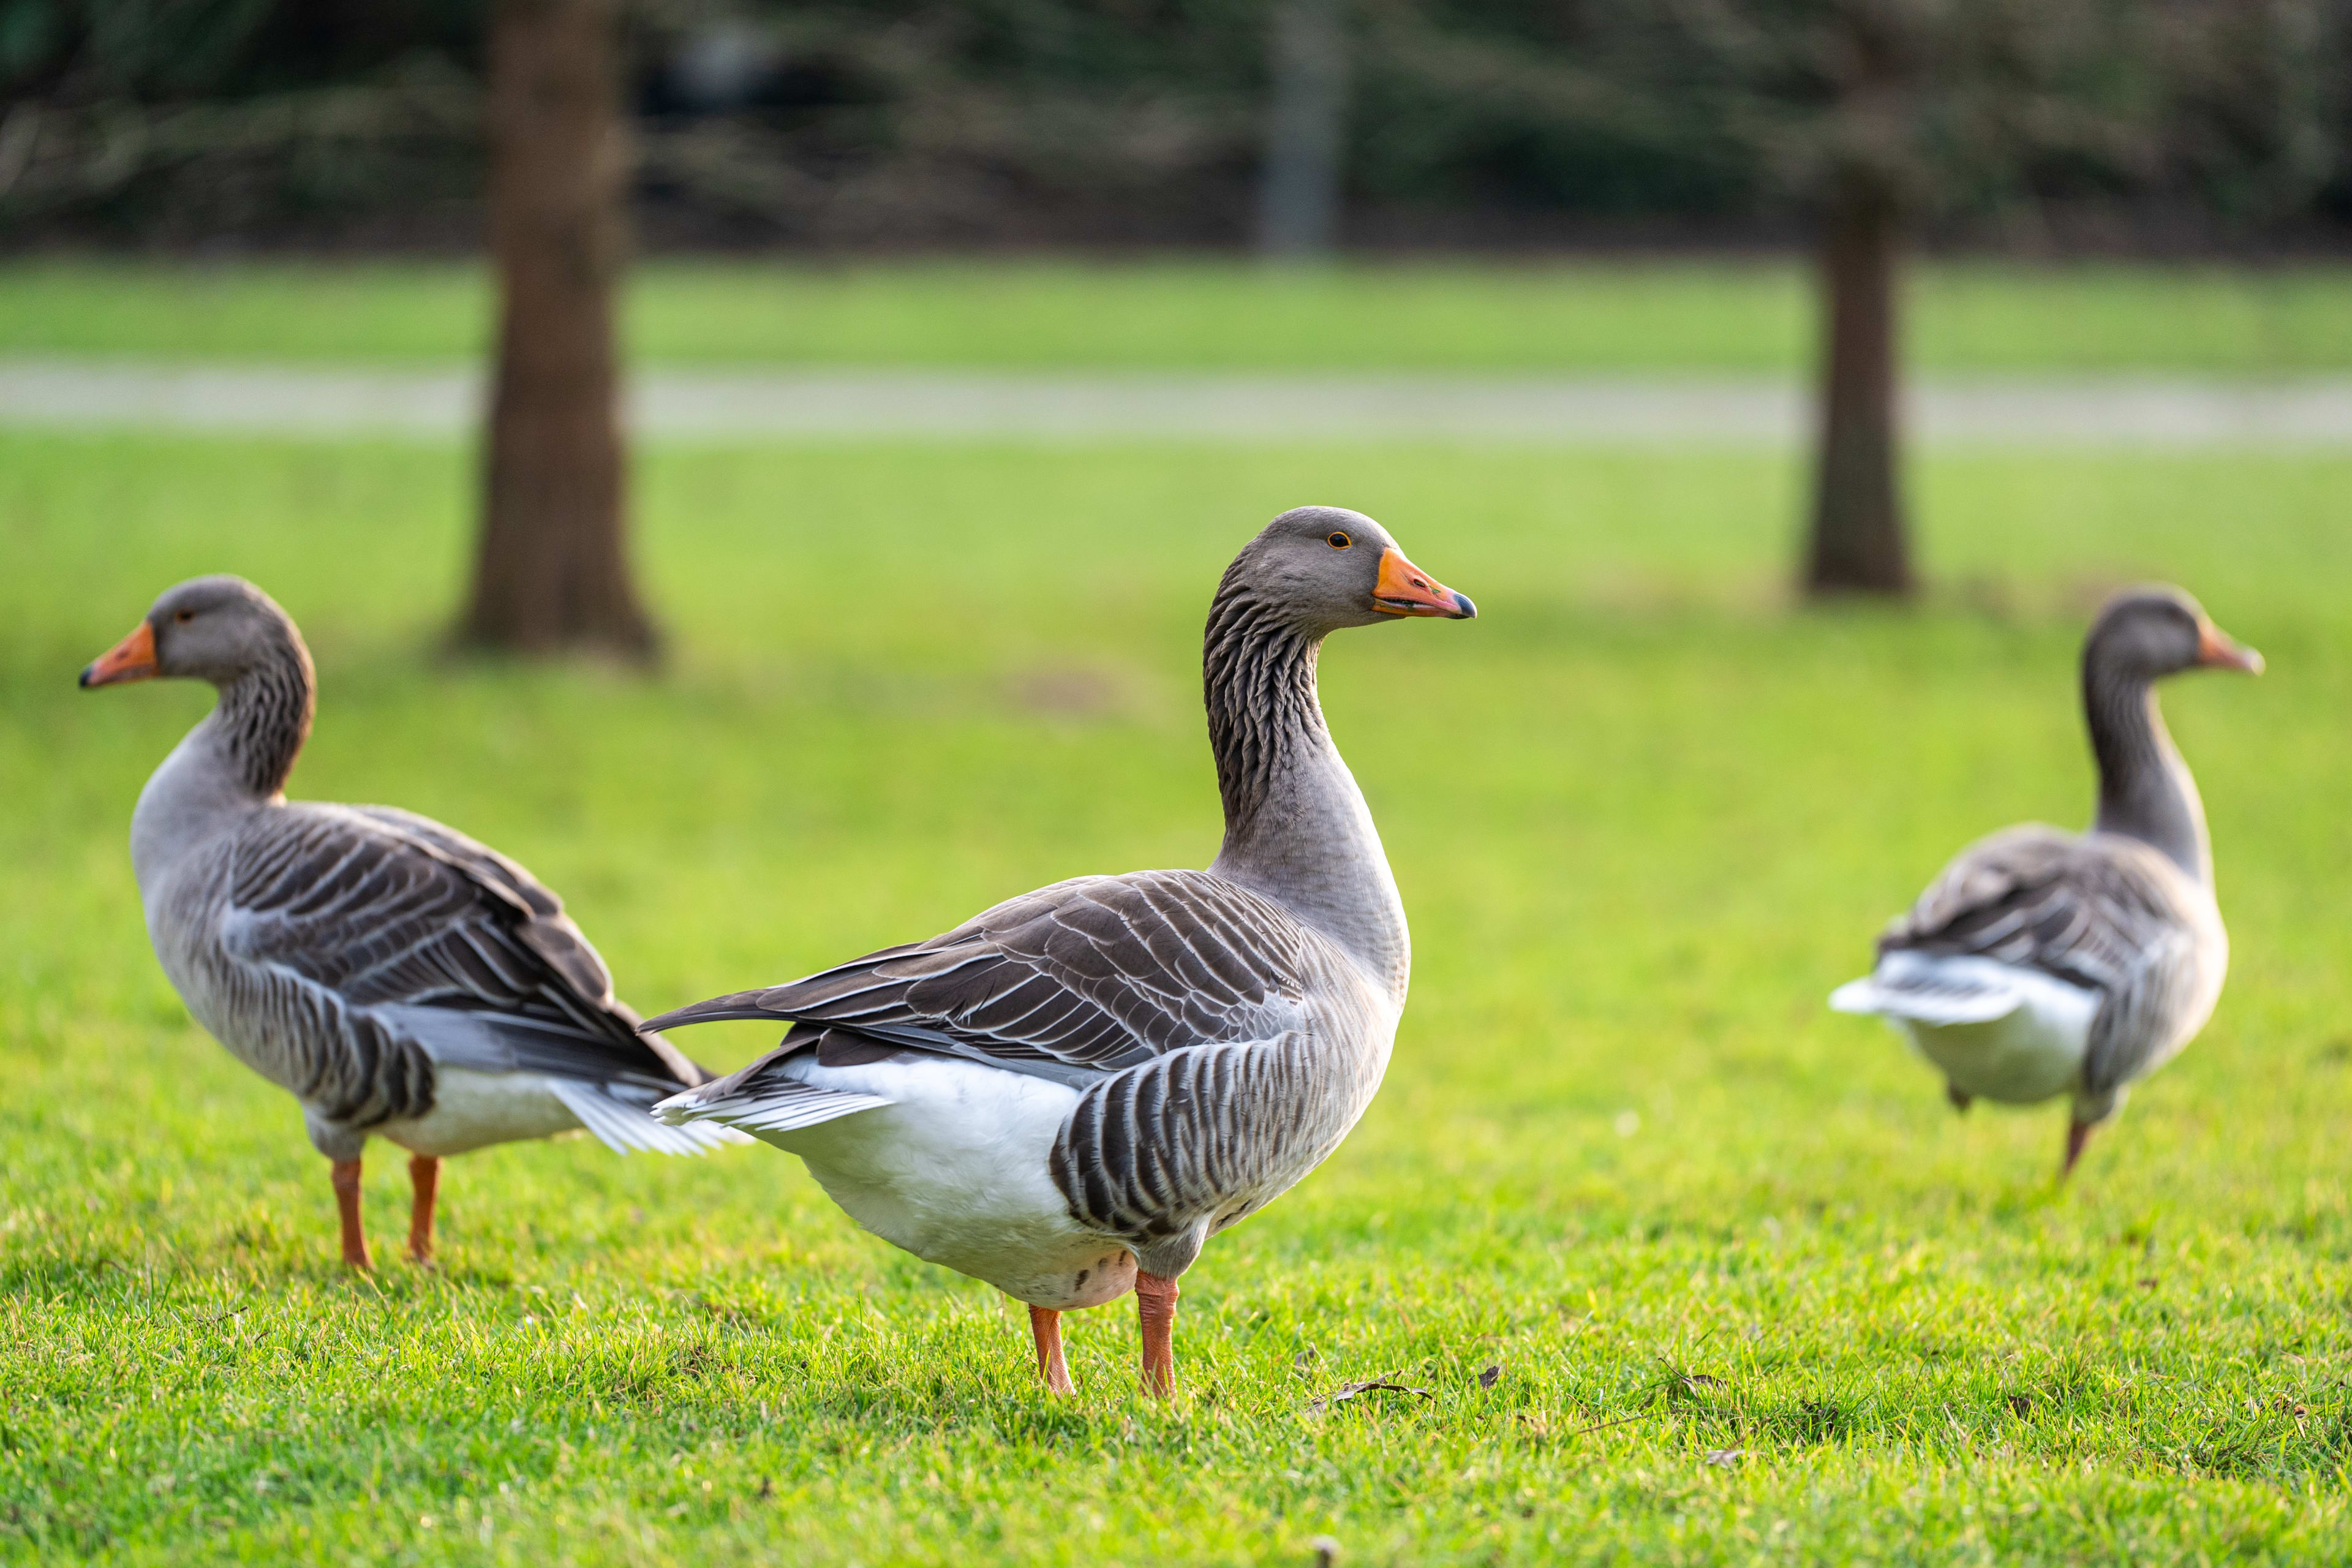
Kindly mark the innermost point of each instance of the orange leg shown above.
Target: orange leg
(1045, 1328)
(1155, 1309)
(346, 1178)
(2077, 1134)
(425, 1177)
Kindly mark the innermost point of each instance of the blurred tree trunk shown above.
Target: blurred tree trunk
(551, 571)
(1859, 542)
(1306, 130)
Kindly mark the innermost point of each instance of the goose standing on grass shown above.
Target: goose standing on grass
(401, 980)
(1068, 1094)
(2043, 963)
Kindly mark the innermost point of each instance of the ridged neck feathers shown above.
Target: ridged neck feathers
(1297, 829)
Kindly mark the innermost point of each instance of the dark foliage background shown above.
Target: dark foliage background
(870, 124)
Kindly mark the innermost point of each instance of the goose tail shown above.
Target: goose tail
(627, 1128)
(1929, 993)
(762, 1107)
(717, 1010)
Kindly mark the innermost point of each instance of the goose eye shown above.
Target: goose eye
(184, 617)
(1340, 541)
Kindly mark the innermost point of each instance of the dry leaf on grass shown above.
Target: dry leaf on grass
(1385, 1383)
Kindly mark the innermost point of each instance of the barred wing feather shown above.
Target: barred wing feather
(395, 925)
(1073, 982)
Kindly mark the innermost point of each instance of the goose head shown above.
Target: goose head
(1324, 567)
(2148, 633)
(206, 629)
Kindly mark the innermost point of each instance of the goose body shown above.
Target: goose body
(1056, 1124)
(2042, 962)
(1068, 1095)
(399, 979)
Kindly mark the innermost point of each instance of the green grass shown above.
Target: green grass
(1644, 817)
(1201, 315)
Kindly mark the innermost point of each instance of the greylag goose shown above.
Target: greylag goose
(401, 980)
(2042, 962)
(1067, 1095)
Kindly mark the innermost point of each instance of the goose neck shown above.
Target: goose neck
(2145, 790)
(1297, 827)
(234, 761)
(264, 716)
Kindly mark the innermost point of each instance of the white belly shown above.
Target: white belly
(473, 1109)
(2029, 1054)
(956, 1172)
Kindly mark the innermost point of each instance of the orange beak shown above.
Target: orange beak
(133, 659)
(1404, 589)
(2216, 650)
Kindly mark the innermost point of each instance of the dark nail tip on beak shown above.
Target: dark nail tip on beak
(1464, 609)
(85, 679)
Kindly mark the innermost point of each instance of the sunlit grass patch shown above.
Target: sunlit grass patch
(1688, 1268)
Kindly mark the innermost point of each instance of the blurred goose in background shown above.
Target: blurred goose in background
(401, 980)
(2043, 963)
(1068, 1094)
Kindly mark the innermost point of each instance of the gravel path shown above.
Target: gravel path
(1103, 407)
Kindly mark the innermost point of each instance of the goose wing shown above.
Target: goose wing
(400, 929)
(2088, 911)
(1071, 982)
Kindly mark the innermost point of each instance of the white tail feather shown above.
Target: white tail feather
(1926, 1005)
(627, 1128)
(777, 1105)
(1936, 990)
(1855, 997)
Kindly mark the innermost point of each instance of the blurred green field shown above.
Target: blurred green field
(1212, 315)
(1753, 1292)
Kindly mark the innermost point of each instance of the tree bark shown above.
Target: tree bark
(1306, 129)
(1859, 538)
(551, 569)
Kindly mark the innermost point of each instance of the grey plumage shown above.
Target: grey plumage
(2041, 962)
(364, 958)
(1191, 1042)
(1218, 1043)
(2101, 911)
(345, 953)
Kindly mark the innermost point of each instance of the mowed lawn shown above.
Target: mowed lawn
(1690, 1269)
(1533, 317)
